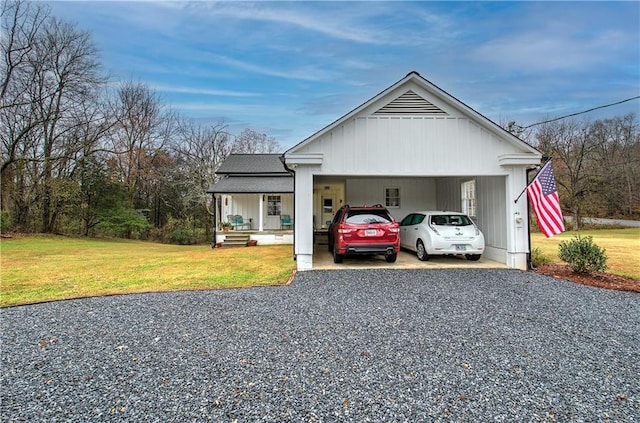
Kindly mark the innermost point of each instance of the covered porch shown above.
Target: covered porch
(254, 194)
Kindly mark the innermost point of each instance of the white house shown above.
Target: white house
(415, 147)
(259, 189)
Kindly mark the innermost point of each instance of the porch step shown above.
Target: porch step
(236, 240)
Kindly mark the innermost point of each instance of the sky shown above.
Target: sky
(288, 69)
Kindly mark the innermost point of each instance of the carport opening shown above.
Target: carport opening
(481, 197)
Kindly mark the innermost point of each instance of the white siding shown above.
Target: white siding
(415, 145)
(415, 193)
(248, 206)
(492, 214)
(426, 156)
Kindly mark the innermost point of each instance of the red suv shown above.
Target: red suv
(364, 230)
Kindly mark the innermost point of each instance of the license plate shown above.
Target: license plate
(460, 247)
(370, 232)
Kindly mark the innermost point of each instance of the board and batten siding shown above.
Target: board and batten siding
(415, 193)
(410, 145)
(491, 216)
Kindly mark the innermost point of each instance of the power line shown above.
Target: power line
(521, 128)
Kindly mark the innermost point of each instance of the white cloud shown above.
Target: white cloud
(202, 91)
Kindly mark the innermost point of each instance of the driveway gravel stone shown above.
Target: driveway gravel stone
(346, 345)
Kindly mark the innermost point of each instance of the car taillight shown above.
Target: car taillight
(342, 230)
(394, 229)
(433, 228)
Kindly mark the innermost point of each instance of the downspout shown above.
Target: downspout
(532, 169)
(215, 224)
(529, 262)
(282, 160)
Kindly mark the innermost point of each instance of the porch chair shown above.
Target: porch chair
(240, 223)
(237, 222)
(231, 219)
(285, 221)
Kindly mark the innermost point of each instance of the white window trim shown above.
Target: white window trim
(277, 204)
(468, 197)
(386, 198)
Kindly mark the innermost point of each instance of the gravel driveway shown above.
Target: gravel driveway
(353, 345)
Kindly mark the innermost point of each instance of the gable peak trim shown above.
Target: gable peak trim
(410, 103)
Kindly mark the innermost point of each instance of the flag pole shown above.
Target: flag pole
(534, 178)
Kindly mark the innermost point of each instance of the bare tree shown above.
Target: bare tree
(143, 128)
(569, 145)
(617, 165)
(597, 165)
(65, 72)
(51, 72)
(251, 142)
(199, 151)
(21, 25)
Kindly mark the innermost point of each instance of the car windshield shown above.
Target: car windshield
(451, 220)
(359, 217)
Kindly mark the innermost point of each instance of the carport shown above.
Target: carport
(414, 147)
(323, 260)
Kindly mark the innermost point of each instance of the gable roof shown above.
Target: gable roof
(411, 103)
(252, 174)
(253, 164)
(253, 185)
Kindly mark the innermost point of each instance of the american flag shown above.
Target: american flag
(545, 201)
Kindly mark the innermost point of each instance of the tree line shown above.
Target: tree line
(84, 155)
(596, 165)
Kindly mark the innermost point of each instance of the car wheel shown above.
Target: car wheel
(473, 257)
(391, 258)
(337, 258)
(421, 252)
(329, 245)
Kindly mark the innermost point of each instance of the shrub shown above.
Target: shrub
(5, 222)
(123, 223)
(538, 258)
(182, 232)
(583, 255)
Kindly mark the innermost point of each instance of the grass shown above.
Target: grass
(43, 268)
(622, 248)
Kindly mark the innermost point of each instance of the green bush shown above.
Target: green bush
(123, 223)
(5, 222)
(182, 232)
(583, 255)
(538, 258)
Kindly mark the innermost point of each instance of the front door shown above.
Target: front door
(327, 202)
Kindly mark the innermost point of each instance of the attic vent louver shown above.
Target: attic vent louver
(410, 103)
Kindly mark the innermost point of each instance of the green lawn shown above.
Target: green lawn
(622, 247)
(43, 268)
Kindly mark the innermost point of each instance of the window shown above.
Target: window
(392, 197)
(273, 205)
(469, 197)
(327, 205)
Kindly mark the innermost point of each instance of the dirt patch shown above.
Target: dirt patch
(597, 279)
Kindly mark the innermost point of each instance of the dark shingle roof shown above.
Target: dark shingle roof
(253, 184)
(252, 164)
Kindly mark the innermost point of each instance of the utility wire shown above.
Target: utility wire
(580, 113)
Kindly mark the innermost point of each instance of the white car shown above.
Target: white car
(430, 233)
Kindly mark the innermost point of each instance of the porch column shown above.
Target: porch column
(303, 212)
(260, 212)
(517, 218)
